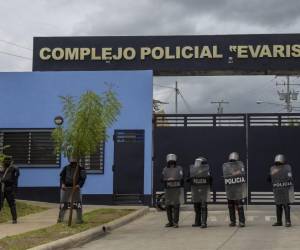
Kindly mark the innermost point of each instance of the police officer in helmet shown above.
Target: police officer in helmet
(172, 177)
(201, 182)
(236, 188)
(283, 188)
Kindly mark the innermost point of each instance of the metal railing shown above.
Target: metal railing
(227, 120)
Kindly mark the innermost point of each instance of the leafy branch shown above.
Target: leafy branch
(86, 122)
(2, 154)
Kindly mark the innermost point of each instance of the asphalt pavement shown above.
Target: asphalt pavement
(149, 232)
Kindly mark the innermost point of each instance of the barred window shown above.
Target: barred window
(42, 149)
(35, 148)
(30, 147)
(95, 162)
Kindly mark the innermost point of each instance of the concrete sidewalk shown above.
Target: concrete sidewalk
(40, 220)
(149, 233)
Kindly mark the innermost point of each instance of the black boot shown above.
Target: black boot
(170, 216)
(287, 213)
(176, 215)
(197, 220)
(241, 215)
(79, 219)
(13, 211)
(204, 215)
(10, 197)
(232, 217)
(278, 216)
(62, 211)
(197, 208)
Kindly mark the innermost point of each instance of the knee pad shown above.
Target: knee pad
(77, 205)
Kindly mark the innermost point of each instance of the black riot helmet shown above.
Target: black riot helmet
(234, 156)
(200, 161)
(279, 159)
(171, 160)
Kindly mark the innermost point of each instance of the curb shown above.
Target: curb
(91, 234)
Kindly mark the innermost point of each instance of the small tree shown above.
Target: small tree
(86, 122)
(2, 154)
(2, 157)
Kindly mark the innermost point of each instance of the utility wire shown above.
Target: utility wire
(163, 86)
(185, 102)
(180, 93)
(11, 54)
(15, 44)
(280, 110)
(169, 96)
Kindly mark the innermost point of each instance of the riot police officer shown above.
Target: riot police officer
(71, 172)
(172, 177)
(236, 188)
(9, 175)
(283, 189)
(201, 181)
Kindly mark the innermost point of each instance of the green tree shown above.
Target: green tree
(86, 122)
(2, 154)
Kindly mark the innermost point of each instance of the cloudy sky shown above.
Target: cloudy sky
(20, 20)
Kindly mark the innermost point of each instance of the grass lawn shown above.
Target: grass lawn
(58, 231)
(22, 210)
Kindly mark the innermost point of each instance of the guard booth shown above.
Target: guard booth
(256, 137)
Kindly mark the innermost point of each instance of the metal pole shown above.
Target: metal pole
(288, 95)
(176, 94)
(153, 196)
(220, 108)
(220, 105)
(247, 156)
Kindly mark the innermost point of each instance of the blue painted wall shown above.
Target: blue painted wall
(30, 100)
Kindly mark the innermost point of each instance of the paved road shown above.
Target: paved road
(148, 233)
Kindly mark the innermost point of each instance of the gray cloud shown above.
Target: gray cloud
(190, 17)
(241, 91)
(267, 13)
(21, 20)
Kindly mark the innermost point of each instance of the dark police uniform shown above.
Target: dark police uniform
(9, 175)
(172, 177)
(283, 188)
(236, 188)
(66, 181)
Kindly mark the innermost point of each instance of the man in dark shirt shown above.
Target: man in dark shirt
(71, 173)
(9, 175)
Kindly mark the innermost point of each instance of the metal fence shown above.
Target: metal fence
(256, 137)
